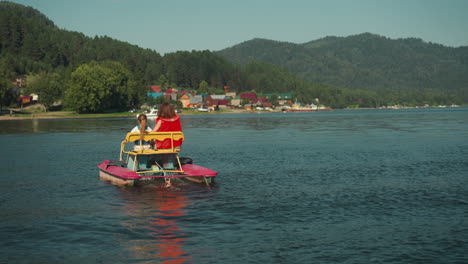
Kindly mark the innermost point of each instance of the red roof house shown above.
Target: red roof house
(251, 97)
(155, 88)
(210, 101)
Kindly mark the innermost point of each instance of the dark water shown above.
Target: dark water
(374, 186)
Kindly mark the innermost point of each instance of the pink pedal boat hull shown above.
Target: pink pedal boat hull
(117, 173)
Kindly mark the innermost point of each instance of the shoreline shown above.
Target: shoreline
(73, 115)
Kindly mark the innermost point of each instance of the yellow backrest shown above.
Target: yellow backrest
(159, 136)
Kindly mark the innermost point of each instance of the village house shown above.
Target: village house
(216, 100)
(204, 96)
(281, 98)
(236, 101)
(35, 97)
(155, 88)
(26, 100)
(20, 81)
(262, 101)
(184, 92)
(232, 95)
(218, 96)
(171, 94)
(155, 91)
(248, 107)
(185, 100)
(251, 98)
(196, 101)
(284, 98)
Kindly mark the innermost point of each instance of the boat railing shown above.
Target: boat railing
(151, 136)
(155, 137)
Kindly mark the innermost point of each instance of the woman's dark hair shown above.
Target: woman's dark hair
(166, 110)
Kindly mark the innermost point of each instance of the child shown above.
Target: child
(143, 128)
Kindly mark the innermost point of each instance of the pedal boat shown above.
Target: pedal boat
(141, 164)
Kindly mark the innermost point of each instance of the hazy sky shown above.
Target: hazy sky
(171, 25)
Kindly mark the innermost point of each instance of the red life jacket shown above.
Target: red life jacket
(169, 125)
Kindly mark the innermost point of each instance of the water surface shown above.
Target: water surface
(367, 186)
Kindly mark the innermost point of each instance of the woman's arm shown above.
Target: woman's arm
(158, 125)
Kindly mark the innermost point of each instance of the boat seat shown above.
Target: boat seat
(152, 151)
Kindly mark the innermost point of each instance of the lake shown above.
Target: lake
(349, 186)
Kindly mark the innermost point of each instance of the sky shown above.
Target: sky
(173, 25)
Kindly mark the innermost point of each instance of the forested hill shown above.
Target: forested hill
(364, 61)
(31, 43)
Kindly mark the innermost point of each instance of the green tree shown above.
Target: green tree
(98, 87)
(161, 100)
(163, 81)
(7, 67)
(7, 96)
(203, 87)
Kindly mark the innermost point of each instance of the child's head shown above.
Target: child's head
(142, 119)
(166, 110)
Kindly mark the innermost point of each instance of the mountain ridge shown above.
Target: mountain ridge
(363, 61)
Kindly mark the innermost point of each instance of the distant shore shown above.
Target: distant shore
(71, 114)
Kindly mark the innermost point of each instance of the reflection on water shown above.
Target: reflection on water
(170, 235)
(156, 212)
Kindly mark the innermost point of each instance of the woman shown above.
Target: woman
(167, 121)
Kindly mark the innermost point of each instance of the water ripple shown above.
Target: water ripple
(334, 187)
